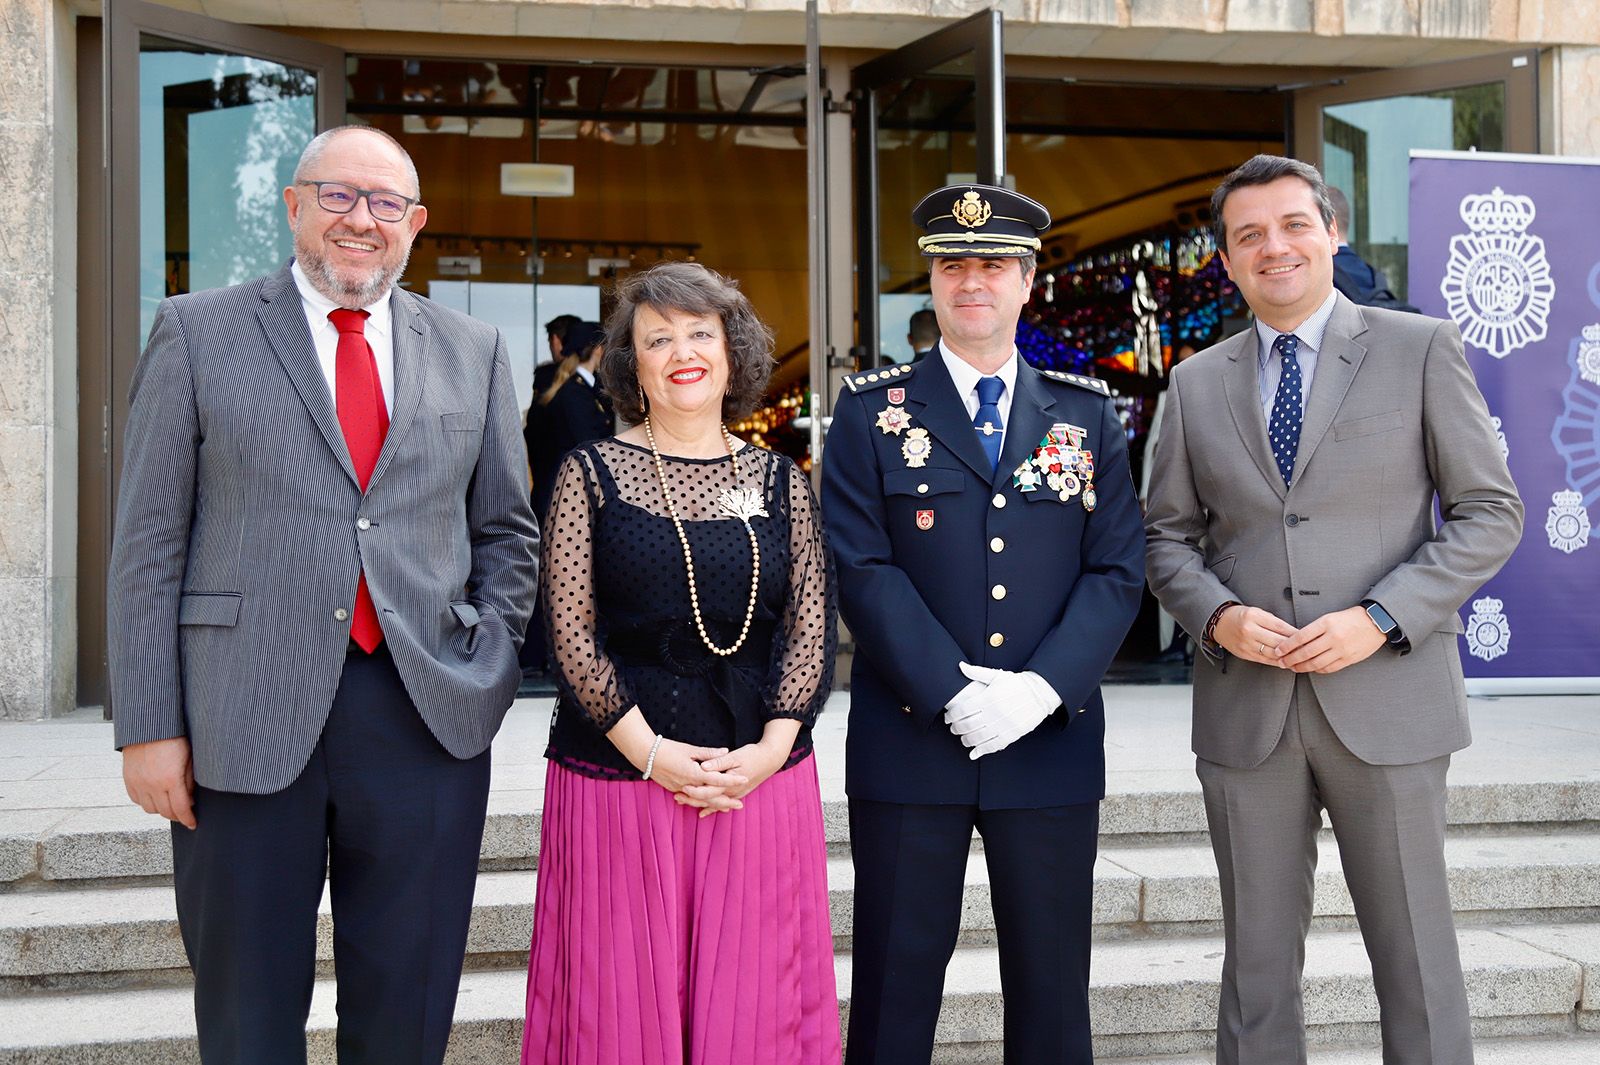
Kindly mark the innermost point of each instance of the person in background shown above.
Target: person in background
(323, 565)
(924, 333)
(1291, 531)
(1360, 282)
(571, 410)
(682, 907)
(536, 436)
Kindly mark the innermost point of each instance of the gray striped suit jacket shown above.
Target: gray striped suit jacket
(237, 540)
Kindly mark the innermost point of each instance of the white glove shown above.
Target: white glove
(1007, 707)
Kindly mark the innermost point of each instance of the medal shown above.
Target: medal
(1088, 499)
(916, 448)
(893, 419)
(924, 520)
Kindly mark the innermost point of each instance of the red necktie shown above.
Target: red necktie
(358, 395)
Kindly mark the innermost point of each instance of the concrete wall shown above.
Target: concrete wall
(38, 359)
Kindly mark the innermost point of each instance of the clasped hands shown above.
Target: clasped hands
(714, 779)
(1327, 645)
(998, 707)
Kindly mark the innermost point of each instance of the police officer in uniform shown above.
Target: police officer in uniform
(989, 547)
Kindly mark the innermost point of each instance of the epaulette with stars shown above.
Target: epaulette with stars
(1093, 384)
(862, 382)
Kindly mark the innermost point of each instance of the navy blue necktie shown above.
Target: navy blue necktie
(987, 421)
(1283, 429)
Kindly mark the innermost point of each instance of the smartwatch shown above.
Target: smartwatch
(1386, 625)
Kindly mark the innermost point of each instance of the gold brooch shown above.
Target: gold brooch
(971, 211)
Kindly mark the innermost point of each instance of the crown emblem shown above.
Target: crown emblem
(1489, 606)
(1498, 212)
(1592, 332)
(1566, 499)
(972, 210)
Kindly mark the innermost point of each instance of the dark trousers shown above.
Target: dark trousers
(910, 864)
(395, 821)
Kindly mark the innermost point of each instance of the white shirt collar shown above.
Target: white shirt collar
(966, 376)
(317, 305)
(588, 377)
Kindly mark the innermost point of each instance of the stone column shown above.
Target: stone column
(1577, 93)
(38, 359)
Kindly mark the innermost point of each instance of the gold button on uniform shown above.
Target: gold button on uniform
(998, 591)
(907, 709)
(922, 489)
(996, 639)
(341, 614)
(997, 545)
(999, 501)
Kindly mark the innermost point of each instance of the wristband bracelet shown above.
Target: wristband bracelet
(650, 764)
(1209, 637)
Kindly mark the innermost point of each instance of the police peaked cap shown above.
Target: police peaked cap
(979, 221)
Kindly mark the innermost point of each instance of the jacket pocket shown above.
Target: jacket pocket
(209, 608)
(1378, 423)
(924, 482)
(465, 613)
(1222, 568)
(461, 422)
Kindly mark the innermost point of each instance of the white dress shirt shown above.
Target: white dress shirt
(380, 335)
(966, 378)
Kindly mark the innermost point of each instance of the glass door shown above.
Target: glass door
(1360, 133)
(927, 114)
(204, 123)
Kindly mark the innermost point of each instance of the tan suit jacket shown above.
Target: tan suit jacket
(1394, 420)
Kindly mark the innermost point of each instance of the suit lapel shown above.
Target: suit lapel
(1243, 388)
(283, 318)
(931, 399)
(411, 342)
(1337, 363)
(1031, 418)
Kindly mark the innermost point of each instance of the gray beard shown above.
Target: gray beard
(364, 294)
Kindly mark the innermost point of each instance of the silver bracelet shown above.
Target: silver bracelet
(650, 764)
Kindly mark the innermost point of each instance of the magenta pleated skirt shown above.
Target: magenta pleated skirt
(660, 938)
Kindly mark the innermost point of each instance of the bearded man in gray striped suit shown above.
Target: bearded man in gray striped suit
(323, 568)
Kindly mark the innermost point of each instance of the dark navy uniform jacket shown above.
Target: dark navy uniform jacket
(949, 563)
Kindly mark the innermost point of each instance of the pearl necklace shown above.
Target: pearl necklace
(741, 504)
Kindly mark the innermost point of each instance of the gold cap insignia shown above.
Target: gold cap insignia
(972, 211)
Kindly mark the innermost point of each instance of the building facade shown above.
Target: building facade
(707, 129)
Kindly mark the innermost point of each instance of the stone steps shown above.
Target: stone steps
(117, 841)
(105, 937)
(1148, 997)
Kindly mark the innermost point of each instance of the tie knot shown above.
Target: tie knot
(989, 390)
(1286, 345)
(348, 321)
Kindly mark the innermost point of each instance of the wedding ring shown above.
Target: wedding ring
(1263, 648)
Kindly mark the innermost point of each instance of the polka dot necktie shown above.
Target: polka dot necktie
(1283, 429)
(358, 397)
(987, 421)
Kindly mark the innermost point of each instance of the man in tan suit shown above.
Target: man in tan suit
(1291, 530)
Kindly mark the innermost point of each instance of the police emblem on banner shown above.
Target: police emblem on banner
(1500, 436)
(1576, 432)
(1568, 523)
(1497, 284)
(1589, 354)
(1488, 630)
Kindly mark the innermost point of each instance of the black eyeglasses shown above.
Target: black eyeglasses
(338, 198)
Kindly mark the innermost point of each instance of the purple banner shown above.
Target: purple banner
(1507, 246)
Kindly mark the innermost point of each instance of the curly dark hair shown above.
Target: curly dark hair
(686, 288)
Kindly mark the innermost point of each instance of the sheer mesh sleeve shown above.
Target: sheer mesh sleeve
(803, 653)
(586, 677)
